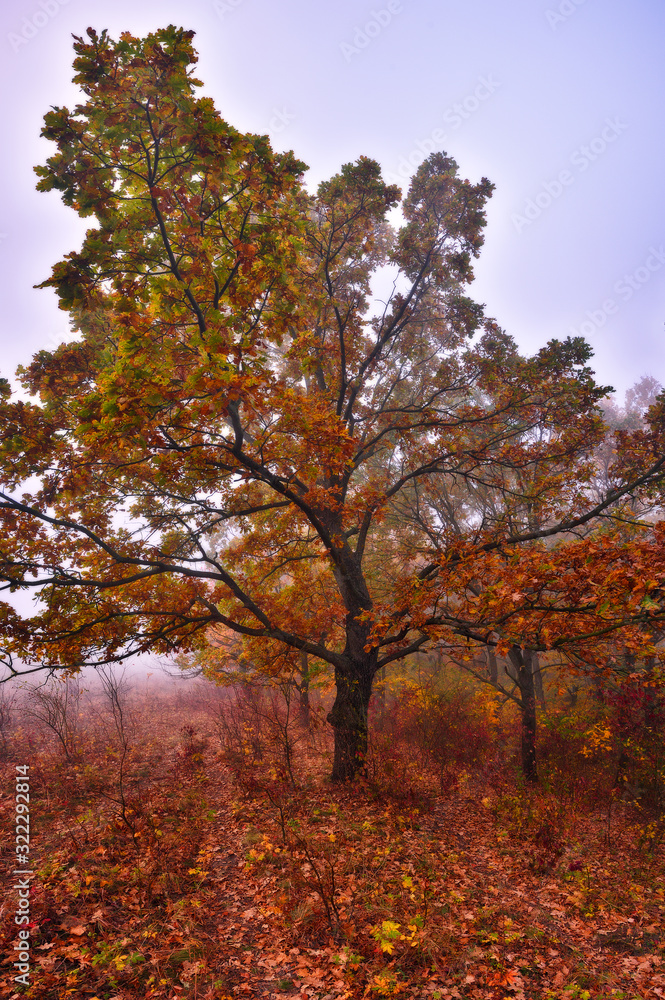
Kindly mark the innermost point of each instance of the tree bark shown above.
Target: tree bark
(522, 662)
(348, 717)
(381, 698)
(492, 668)
(354, 672)
(538, 680)
(303, 688)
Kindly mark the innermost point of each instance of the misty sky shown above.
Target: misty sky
(558, 102)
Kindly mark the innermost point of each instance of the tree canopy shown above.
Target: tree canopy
(239, 437)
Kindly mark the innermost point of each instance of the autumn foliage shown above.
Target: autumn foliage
(213, 859)
(239, 438)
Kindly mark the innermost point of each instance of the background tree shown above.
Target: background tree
(235, 406)
(496, 600)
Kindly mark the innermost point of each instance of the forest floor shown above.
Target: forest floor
(167, 868)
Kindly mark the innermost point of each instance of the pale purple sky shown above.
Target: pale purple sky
(558, 102)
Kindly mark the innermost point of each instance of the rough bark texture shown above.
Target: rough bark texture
(354, 674)
(348, 717)
(522, 663)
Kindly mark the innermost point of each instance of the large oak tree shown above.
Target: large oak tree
(227, 439)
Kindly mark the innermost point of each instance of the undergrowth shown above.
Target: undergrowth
(162, 826)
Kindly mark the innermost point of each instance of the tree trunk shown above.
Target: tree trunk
(355, 669)
(348, 717)
(381, 698)
(538, 680)
(492, 668)
(522, 662)
(303, 688)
